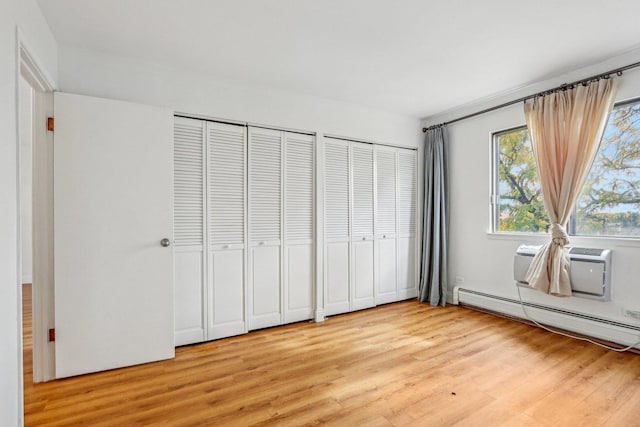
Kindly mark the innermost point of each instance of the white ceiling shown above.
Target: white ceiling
(414, 57)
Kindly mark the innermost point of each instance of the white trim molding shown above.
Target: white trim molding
(42, 142)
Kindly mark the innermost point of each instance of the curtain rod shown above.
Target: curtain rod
(563, 86)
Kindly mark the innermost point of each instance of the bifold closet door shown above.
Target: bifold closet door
(337, 216)
(209, 212)
(265, 232)
(386, 241)
(298, 226)
(189, 206)
(362, 256)
(226, 210)
(407, 223)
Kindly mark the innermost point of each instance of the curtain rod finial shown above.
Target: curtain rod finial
(424, 130)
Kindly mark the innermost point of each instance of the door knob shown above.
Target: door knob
(165, 242)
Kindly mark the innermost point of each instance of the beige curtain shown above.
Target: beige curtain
(565, 127)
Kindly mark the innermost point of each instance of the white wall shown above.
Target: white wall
(26, 194)
(485, 260)
(34, 31)
(103, 75)
(91, 73)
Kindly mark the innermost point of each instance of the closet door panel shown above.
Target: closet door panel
(299, 270)
(188, 183)
(386, 262)
(265, 227)
(299, 227)
(226, 160)
(336, 275)
(362, 260)
(226, 183)
(407, 222)
(362, 187)
(407, 191)
(337, 214)
(407, 278)
(337, 217)
(299, 176)
(386, 191)
(227, 302)
(265, 269)
(189, 219)
(188, 297)
(265, 185)
(386, 224)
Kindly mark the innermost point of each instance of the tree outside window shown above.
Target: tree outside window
(520, 205)
(609, 204)
(610, 199)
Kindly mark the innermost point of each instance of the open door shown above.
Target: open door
(113, 222)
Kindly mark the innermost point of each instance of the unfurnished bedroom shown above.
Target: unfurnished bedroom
(295, 212)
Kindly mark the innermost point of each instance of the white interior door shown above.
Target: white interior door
(113, 179)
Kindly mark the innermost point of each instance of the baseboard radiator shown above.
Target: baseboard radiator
(597, 327)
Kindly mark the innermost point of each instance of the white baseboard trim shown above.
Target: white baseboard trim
(319, 317)
(452, 295)
(592, 326)
(27, 279)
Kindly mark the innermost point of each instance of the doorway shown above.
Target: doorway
(35, 225)
(25, 125)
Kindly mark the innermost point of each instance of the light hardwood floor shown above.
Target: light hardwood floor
(400, 364)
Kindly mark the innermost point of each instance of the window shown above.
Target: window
(609, 204)
(519, 205)
(610, 199)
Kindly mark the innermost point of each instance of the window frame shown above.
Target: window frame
(495, 195)
(495, 178)
(494, 198)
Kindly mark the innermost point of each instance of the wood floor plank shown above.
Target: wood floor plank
(403, 364)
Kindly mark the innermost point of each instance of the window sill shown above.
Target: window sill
(601, 241)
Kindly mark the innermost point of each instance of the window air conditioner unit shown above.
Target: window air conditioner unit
(590, 270)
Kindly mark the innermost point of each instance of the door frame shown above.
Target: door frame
(42, 288)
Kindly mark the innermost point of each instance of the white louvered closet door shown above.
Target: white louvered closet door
(407, 223)
(298, 227)
(362, 208)
(189, 206)
(386, 242)
(226, 189)
(337, 217)
(265, 227)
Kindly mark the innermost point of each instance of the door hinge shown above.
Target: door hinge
(52, 335)
(50, 124)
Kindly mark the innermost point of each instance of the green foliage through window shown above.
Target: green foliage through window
(609, 204)
(610, 201)
(520, 205)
